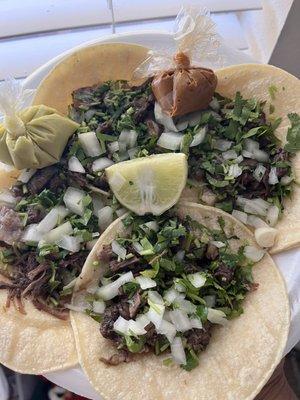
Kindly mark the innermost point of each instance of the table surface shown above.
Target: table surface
(288, 262)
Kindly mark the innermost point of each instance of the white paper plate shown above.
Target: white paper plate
(288, 262)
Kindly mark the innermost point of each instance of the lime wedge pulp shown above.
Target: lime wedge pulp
(149, 184)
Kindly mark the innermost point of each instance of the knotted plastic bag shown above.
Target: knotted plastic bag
(33, 137)
(180, 83)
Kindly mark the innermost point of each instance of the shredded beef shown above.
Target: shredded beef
(153, 128)
(105, 254)
(135, 304)
(10, 225)
(123, 307)
(111, 314)
(224, 274)
(101, 183)
(152, 336)
(77, 179)
(199, 339)
(75, 261)
(41, 178)
(142, 105)
(122, 265)
(212, 252)
(105, 127)
(35, 214)
(118, 358)
(58, 313)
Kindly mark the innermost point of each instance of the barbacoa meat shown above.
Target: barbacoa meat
(35, 214)
(224, 274)
(122, 265)
(41, 178)
(111, 314)
(118, 358)
(10, 225)
(199, 339)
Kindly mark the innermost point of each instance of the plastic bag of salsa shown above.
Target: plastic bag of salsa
(181, 84)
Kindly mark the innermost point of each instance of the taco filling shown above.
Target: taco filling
(236, 163)
(49, 221)
(165, 287)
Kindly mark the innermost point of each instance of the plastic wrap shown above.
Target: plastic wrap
(32, 137)
(181, 83)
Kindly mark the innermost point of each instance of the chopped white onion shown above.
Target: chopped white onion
(177, 350)
(197, 279)
(90, 144)
(182, 125)
(155, 314)
(168, 329)
(286, 180)
(170, 140)
(180, 255)
(25, 175)
(155, 297)
(54, 217)
(260, 155)
(111, 290)
(259, 172)
(253, 253)
(194, 118)
(32, 234)
(150, 226)
(247, 154)
(98, 306)
(253, 206)
(101, 163)
(196, 323)
(266, 236)
(105, 217)
(163, 118)
(97, 204)
(185, 305)
(137, 247)
(57, 233)
(222, 144)
(179, 287)
(132, 152)
(135, 328)
(180, 320)
(214, 104)
(122, 147)
(216, 316)
(172, 295)
(199, 137)
(256, 222)
(273, 178)
(145, 283)
(272, 215)
(129, 138)
(229, 155)
(142, 320)
(240, 215)
(75, 165)
(73, 200)
(70, 243)
(121, 325)
(121, 211)
(234, 171)
(6, 198)
(239, 159)
(113, 147)
(119, 250)
(217, 243)
(210, 300)
(251, 145)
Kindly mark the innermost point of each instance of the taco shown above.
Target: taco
(179, 306)
(49, 220)
(243, 148)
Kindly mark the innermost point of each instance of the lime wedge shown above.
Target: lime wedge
(150, 184)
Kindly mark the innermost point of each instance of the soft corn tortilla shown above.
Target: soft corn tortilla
(37, 342)
(239, 359)
(99, 63)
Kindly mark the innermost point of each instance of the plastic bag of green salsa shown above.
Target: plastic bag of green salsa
(34, 137)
